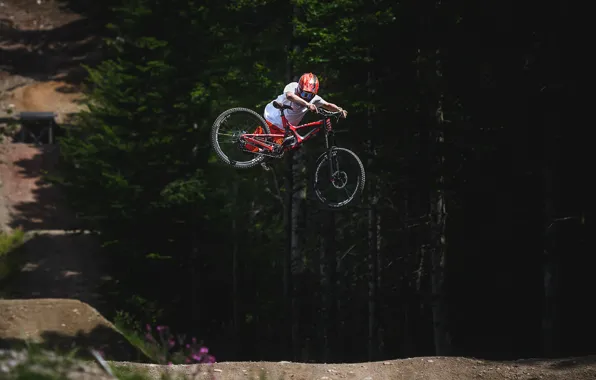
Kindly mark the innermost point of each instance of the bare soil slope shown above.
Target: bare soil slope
(42, 46)
(427, 368)
(61, 324)
(58, 262)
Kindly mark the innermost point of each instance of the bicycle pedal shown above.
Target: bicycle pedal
(265, 166)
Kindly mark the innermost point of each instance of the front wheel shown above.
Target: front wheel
(339, 178)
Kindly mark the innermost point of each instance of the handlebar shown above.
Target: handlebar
(320, 110)
(327, 113)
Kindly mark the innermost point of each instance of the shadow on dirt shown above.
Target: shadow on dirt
(98, 10)
(66, 266)
(109, 342)
(47, 211)
(560, 364)
(47, 54)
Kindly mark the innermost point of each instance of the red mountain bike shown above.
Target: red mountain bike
(338, 170)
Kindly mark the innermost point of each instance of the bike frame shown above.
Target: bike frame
(324, 123)
(289, 128)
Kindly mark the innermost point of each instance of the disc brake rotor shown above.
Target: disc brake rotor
(339, 179)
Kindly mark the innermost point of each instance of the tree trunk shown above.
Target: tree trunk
(323, 318)
(373, 273)
(333, 296)
(328, 281)
(378, 296)
(193, 263)
(406, 341)
(345, 269)
(287, 219)
(298, 199)
(287, 259)
(373, 236)
(438, 244)
(296, 193)
(235, 296)
(549, 271)
(549, 315)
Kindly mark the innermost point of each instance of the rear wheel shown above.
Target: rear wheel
(230, 148)
(339, 178)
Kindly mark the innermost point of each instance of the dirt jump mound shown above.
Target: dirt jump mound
(61, 324)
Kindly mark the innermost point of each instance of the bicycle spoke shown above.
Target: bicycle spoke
(340, 187)
(228, 137)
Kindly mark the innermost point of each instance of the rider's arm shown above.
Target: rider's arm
(333, 107)
(296, 99)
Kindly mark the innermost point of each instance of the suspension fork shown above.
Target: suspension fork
(329, 144)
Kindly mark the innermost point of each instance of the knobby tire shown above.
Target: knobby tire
(219, 152)
(322, 164)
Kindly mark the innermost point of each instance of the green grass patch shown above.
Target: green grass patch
(123, 373)
(131, 330)
(9, 260)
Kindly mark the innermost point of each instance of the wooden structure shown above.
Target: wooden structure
(36, 126)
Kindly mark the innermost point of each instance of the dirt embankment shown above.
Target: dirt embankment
(42, 46)
(424, 368)
(57, 261)
(60, 324)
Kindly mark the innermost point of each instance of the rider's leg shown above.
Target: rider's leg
(288, 136)
(275, 130)
(252, 148)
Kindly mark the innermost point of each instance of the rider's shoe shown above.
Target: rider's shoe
(265, 166)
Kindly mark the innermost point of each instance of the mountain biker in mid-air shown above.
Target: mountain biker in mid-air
(302, 97)
(338, 178)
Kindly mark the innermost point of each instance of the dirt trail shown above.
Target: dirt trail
(51, 96)
(58, 262)
(423, 368)
(42, 44)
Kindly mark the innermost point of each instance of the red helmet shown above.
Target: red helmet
(308, 86)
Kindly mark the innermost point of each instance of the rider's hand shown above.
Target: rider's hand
(312, 107)
(344, 113)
